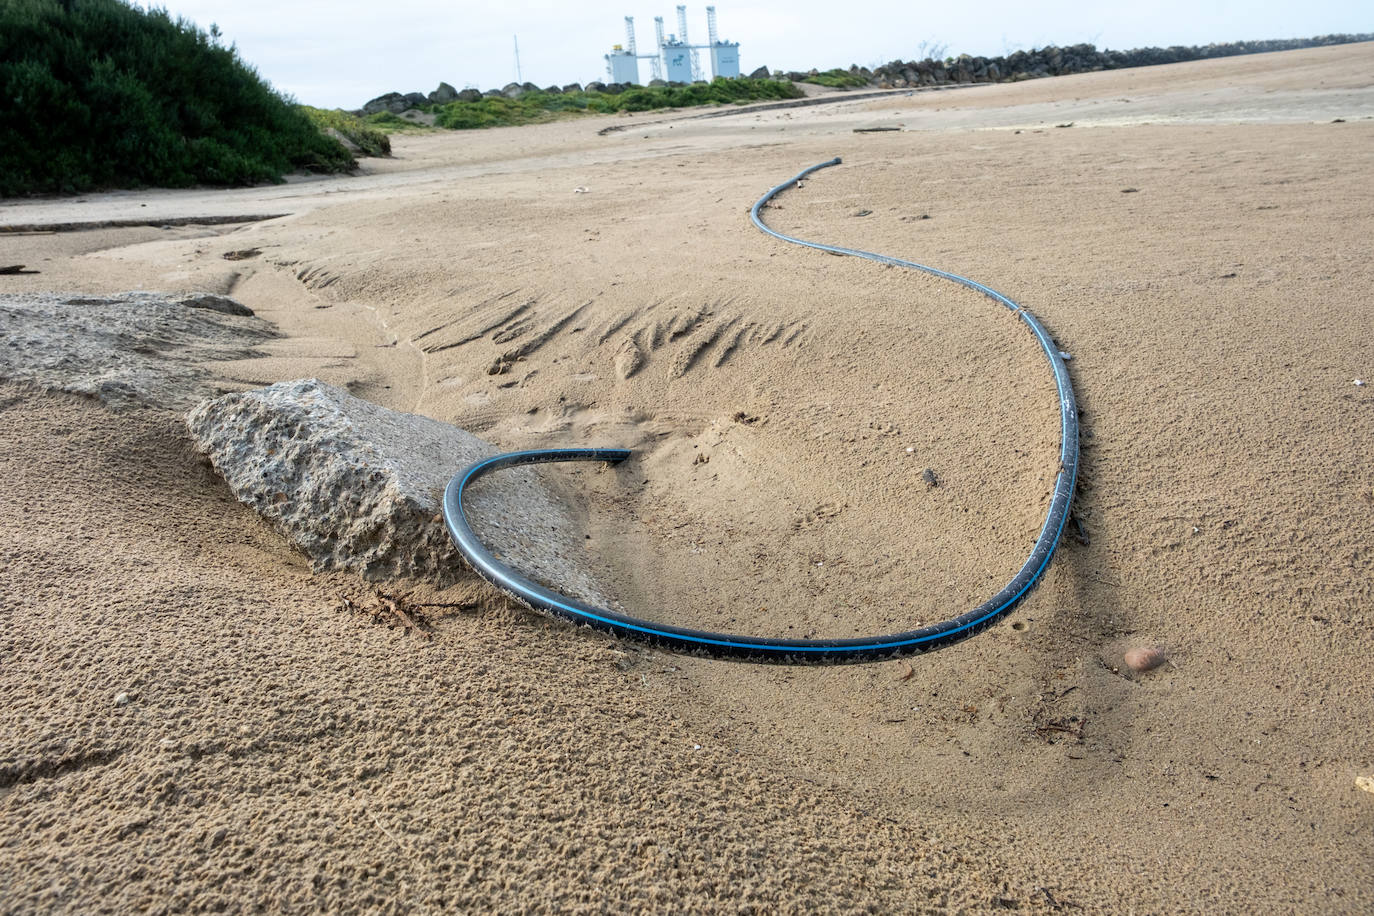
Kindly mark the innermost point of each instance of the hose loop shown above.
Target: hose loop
(788, 651)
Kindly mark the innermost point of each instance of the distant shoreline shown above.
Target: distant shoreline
(1050, 60)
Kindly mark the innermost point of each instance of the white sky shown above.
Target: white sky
(353, 50)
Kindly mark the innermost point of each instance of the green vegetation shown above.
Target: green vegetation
(389, 123)
(96, 93)
(837, 79)
(494, 111)
(370, 141)
(719, 91)
(535, 107)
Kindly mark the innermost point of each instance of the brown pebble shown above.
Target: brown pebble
(1145, 658)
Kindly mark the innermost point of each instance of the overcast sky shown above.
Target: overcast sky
(343, 54)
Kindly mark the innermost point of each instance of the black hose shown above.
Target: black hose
(786, 651)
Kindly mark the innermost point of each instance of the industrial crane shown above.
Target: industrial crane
(675, 57)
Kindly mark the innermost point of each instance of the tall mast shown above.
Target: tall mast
(656, 65)
(682, 37)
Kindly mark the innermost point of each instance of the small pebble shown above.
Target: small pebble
(1145, 658)
(1359, 383)
(929, 477)
(1364, 782)
(121, 699)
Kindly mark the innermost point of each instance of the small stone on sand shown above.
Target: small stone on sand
(1145, 658)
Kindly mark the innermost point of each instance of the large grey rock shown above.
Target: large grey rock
(470, 95)
(357, 486)
(443, 94)
(126, 348)
(393, 102)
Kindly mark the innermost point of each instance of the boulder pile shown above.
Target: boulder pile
(1057, 61)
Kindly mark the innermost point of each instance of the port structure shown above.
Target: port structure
(675, 58)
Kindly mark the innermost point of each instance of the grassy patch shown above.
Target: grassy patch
(389, 123)
(837, 79)
(493, 111)
(370, 140)
(536, 107)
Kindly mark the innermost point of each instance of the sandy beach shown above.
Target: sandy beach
(196, 721)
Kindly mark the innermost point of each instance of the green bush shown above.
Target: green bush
(367, 138)
(388, 123)
(493, 111)
(96, 93)
(720, 91)
(837, 79)
(533, 107)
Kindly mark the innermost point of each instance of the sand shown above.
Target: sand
(194, 721)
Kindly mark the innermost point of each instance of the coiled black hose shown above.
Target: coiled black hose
(786, 651)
